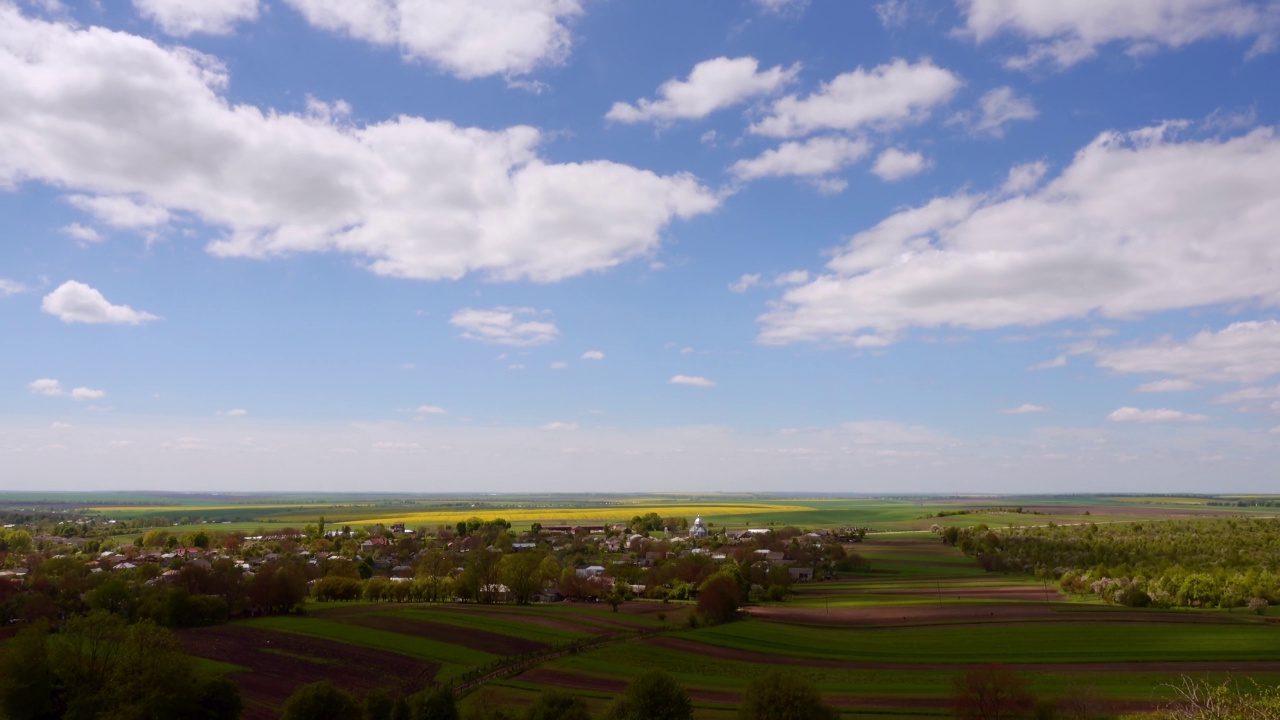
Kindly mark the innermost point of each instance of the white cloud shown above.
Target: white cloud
(503, 326)
(559, 365)
(76, 302)
(593, 355)
(121, 211)
(693, 380)
(11, 287)
(559, 426)
(46, 386)
(782, 6)
(996, 109)
(429, 410)
(60, 426)
(1066, 33)
(894, 164)
(84, 393)
(1057, 362)
(1024, 409)
(712, 85)
(745, 283)
(1158, 386)
(1024, 177)
(188, 17)
(1249, 395)
(814, 157)
(1131, 414)
(892, 94)
(1241, 352)
(415, 198)
(1118, 234)
(397, 447)
(468, 38)
(189, 442)
(234, 412)
(82, 233)
(792, 277)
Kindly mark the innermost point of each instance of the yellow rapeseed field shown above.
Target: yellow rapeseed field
(557, 515)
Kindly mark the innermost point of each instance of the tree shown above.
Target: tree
(437, 704)
(719, 599)
(320, 701)
(783, 696)
(520, 572)
(655, 695)
(558, 705)
(990, 692)
(26, 683)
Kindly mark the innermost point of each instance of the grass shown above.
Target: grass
(452, 659)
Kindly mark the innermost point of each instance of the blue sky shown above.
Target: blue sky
(565, 245)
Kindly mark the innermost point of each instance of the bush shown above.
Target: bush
(320, 701)
(558, 705)
(783, 696)
(337, 588)
(654, 695)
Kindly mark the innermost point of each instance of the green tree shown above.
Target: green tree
(558, 705)
(437, 704)
(26, 682)
(655, 695)
(783, 696)
(320, 701)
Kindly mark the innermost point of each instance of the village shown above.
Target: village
(209, 575)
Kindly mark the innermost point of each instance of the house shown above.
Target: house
(591, 571)
(801, 574)
(524, 546)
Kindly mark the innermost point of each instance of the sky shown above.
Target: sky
(905, 246)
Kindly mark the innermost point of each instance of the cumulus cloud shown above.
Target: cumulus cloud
(894, 164)
(1024, 409)
(46, 386)
(76, 302)
(746, 282)
(1119, 233)
(996, 109)
(559, 365)
(84, 393)
(1024, 177)
(814, 157)
(11, 287)
(593, 355)
(504, 326)
(712, 85)
(189, 17)
(693, 380)
(82, 233)
(121, 211)
(413, 197)
(888, 95)
(1241, 352)
(468, 38)
(1250, 395)
(1132, 414)
(1063, 34)
(1158, 386)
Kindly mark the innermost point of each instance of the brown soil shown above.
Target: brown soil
(574, 681)
(747, 656)
(277, 663)
(481, 640)
(963, 614)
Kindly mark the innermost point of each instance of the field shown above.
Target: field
(253, 513)
(879, 645)
(882, 644)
